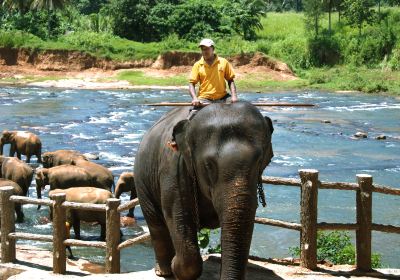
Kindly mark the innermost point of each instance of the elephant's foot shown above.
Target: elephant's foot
(187, 268)
(163, 270)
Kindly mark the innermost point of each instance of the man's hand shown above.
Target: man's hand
(234, 99)
(196, 102)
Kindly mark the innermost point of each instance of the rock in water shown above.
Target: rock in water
(360, 134)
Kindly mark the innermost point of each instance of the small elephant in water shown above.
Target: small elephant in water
(18, 171)
(85, 195)
(60, 157)
(126, 183)
(17, 191)
(212, 180)
(22, 143)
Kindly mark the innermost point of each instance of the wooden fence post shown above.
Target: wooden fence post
(112, 236)
(59, 234)
(364, 221)
(308, 219)
(7, 225)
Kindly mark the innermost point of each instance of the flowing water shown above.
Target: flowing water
(110, 123)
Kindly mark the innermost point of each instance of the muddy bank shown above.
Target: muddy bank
(64, 60)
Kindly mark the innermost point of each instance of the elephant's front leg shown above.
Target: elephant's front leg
(180, 217)
(12, 150)
(160, 236)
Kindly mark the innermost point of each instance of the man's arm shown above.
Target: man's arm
(192, 91)
(232, 88)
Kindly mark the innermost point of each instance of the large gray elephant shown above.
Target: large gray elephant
(210, 181)
(126, 183)
(62, 177)
(18, 171)
(22, 143)
(60, 157)
(85, 195)
(17, 191)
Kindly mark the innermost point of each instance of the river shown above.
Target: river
(110, 124)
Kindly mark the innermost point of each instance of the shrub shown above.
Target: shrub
(336, 247)
(394, 61)
(324, 50)
(293, 50)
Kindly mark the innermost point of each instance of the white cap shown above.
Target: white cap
(207, 43)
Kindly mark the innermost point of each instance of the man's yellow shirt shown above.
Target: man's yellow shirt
(212, 77)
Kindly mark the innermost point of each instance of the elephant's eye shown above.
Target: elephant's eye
(211, 171)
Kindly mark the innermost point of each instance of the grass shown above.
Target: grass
(140, 78)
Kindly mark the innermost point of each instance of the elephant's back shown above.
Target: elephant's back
(84, 194)
(68, 174)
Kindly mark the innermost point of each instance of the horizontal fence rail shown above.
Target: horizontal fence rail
(308, 226)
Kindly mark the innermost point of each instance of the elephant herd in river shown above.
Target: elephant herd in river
(64, 171)
(210, 179)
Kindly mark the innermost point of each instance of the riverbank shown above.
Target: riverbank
(36, 264)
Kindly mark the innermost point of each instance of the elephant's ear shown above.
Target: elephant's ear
(269, 123)
(178, 134)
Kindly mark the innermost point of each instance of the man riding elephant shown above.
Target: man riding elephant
(22, 143)
(211, 180)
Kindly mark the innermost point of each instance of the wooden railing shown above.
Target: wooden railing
(59, 206)
(308, 225)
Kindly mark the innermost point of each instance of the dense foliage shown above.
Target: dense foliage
(336, 247)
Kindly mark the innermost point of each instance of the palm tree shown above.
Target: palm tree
(21, 5)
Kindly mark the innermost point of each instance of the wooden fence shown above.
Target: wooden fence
(308, 226)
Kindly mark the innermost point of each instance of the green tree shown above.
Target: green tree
(245, 16)
(313, 10)
(21, 5)
(48, 4)
(358, 12)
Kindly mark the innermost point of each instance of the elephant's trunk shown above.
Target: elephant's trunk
(39, 191)
(237, 224)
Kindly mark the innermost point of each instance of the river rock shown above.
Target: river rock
(326, 121)
(127, 221)
(360, 134)
(91, 156)
(380, 137)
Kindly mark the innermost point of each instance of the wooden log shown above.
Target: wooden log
(112, 236)
(277, 223)
(59, 234)
(364, 221)
(84, 206)
(31, 200)
(83, 243)
(133, 241)
(7, 225)
(281, 181)
(128, 205)
(339, 186)
(264, 104)
(386, 228)
(309, 214)
(30, 236)
(336, 226)
(385, 190)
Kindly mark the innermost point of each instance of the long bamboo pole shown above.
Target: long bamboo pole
(278, 104)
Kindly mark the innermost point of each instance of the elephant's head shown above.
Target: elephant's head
(226, 148)
(6, 138)
(125, 183)
(42, 180)
(47, 160)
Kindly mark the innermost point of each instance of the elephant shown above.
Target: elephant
(210, 180)
(62, 177)
(104, 178)
(22, 143)
(17, 191)
(60, 157)
(126, 183)
(18, 171)
(85, 194)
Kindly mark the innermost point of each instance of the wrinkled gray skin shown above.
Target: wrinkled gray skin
(104, 178)
(17, 191)
(22, 143)
(85, 195)
(18, 171)
(126, 183)
(60, 157)
(62, 177)
(221, 154)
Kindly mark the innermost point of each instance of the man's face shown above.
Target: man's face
(207, 52)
